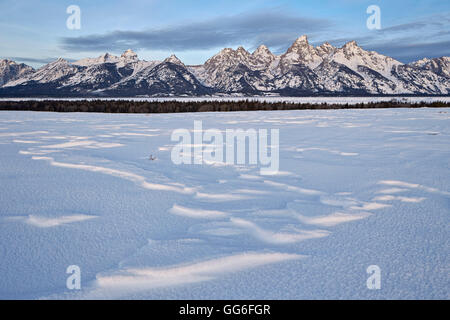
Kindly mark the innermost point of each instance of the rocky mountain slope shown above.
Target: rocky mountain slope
(302, 70)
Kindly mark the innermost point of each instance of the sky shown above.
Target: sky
(35, 32)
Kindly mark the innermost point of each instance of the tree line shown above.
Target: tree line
(128, 106)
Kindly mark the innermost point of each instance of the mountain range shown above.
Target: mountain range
(303, 70)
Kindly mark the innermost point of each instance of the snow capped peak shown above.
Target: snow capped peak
(105, 58)
(52, 71)
(59, 61)
(129, 52)
(226, 50)
(229, 57)
(360, 60)
(302, 67)
(242, 54)
(262, 56)
(325, 49)
(351, 49)
(350, 45)
(174, 59)
(302, 40)
(425, 61)
(439, 66)
(10, 70)
(422, 61)
(327, 45)
(229, 51)
(301, 52)
(262, 50)
(241, 49)
(7, 62)
(302, 47)
(58, 64)
(129, 55)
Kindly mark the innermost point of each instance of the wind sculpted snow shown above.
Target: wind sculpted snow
(355, 188)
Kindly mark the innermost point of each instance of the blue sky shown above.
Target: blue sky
(35, 32)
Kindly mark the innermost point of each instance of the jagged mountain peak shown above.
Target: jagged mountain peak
(59, 61)
(425, 61)
(351, 44)
(104, 58)
(421, 62)
(226, 51)
(241, 49)
(364, 62)
(300, 44)
(300, 52)
(302, 69)
(129, 53)
(325, 49)
(58, 64)
(302, 39)
(262, 50)
(174, 59)
(327, 46)
(262, 57)
(351, 48)
(4, 62)
(108, 57)
(10, 70)
(242, 54)
(129, 56)
(227, 57)
(51, 72)
(232, 52)
(439, 66)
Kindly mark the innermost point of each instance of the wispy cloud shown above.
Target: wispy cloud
(276, 29)
(401, 41)
(36, 60)
(273, 28)
(30, 60)
(407, 52)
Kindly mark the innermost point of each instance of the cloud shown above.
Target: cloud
(406, 51)
(273, 28)
(32, 60)
(35, 60)
(407, 42)
(277, 29)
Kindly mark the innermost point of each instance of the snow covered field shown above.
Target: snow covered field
(355, 188)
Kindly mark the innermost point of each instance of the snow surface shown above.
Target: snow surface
(355, 188)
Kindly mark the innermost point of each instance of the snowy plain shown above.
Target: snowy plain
(355, 188)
